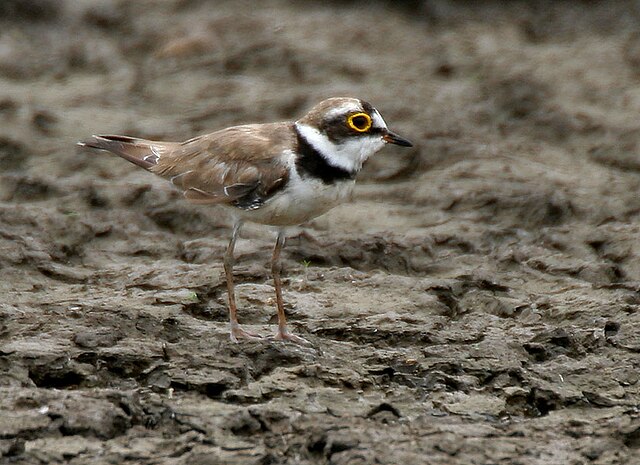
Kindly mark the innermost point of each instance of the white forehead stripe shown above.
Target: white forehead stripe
(378, 122)
(345, 108)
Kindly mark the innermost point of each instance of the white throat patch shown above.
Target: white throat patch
(350, 155)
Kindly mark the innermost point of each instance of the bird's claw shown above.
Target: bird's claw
(284, 335)
(238, 333)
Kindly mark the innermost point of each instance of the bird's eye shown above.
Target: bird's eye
(360, 122)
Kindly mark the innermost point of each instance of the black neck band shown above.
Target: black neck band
(311, 163)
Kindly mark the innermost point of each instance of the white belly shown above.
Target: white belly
(300, 201)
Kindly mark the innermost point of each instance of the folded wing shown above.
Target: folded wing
(241, 166)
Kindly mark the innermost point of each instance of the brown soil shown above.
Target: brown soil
(476, 303)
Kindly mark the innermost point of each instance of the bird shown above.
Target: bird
(277, 174)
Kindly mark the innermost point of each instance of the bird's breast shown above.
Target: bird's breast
(300, 201)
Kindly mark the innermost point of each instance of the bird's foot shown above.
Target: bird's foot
(285, 335)
(238, 333)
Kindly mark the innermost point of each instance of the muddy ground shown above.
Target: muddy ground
(476, 303)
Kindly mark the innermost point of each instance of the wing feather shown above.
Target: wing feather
(242, 165)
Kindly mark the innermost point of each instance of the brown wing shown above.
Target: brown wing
(241, 165)
(141, 152)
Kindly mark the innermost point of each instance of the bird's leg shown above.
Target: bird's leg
(283, 333)
(229, 260)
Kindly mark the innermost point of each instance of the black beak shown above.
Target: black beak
(392, 138)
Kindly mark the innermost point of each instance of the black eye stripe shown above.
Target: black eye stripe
(337, 131)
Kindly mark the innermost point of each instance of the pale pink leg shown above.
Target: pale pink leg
(236, 332)
(283, 333)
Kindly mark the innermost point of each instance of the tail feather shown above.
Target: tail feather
(138, 151)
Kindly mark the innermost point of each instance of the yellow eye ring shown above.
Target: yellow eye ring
(359, 122)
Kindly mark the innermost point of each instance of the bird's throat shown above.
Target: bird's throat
(312, 162)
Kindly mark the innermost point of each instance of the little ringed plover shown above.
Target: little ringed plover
(277, 174)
